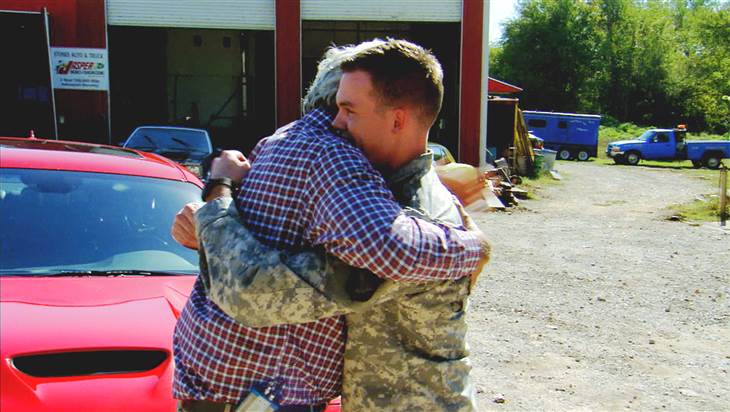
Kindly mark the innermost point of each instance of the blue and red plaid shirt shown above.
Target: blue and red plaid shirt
(309, 187)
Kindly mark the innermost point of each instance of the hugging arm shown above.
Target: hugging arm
(259, 286)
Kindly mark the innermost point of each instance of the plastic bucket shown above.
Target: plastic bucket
(549, 159)
(537, 165)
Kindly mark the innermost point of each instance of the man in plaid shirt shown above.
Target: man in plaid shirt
(308, 187)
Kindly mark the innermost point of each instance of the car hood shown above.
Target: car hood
(114, 317)
(623, 142)
(180, 156)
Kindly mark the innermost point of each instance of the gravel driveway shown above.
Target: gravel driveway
(594, 300)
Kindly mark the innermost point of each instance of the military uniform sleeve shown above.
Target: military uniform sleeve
(257, 285)
(260, 286)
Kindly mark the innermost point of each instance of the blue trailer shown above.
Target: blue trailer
(573, 136)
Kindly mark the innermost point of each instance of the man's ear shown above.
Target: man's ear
(400, 119)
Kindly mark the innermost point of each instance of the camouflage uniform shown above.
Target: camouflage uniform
(406, 347)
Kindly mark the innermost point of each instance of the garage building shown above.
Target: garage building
(235, 67)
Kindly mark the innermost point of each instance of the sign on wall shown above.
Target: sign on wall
(80, 69)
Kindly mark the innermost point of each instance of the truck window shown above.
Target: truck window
(647, 136)
(661, 138)
(563, 124)
(536, 123)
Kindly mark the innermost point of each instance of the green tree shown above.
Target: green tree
(656, 62)
(550, 51)
(705, 66)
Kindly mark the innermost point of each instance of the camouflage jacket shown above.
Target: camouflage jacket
(406, 348)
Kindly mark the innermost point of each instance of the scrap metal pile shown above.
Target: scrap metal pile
(494, 187)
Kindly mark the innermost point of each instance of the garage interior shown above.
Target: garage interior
(219, 80)
(223, 80)
(442, 39)
(25, 82)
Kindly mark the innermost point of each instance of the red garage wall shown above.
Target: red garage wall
(75, 23)
(288, 61)
(471, 78)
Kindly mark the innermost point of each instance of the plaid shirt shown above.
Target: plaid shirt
(308, 187)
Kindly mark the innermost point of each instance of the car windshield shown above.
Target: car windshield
(159, 139)
(58, 221)
(647, 135)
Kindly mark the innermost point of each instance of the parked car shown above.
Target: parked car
(669, 145)
(91, 281)
(465, 181)
(441, 155)
(187, 146)
(536, 142)
(572, 135)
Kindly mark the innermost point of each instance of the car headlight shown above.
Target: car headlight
(194, 169)
(615, 149)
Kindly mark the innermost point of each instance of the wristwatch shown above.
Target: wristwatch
(218, 181)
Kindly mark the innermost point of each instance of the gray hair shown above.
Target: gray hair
(323, 90)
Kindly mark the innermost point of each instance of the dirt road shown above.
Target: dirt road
(593, 300)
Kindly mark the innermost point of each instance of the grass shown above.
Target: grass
(534, 184)
(624, 131)
(703, 209)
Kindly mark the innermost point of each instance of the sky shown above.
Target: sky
(499, 12)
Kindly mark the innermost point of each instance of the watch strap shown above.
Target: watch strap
(218, 181)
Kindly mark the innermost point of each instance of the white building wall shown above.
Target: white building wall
(382, 10)
(260, 14)
(209, 14)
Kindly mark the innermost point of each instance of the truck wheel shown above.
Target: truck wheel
(619, 160)
(696, 164)
(583, 156)
(564, 154)
(712, 161)
(632, 158)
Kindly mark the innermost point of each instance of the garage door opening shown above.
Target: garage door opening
(442, 39)
(215, 79)
(26, 97)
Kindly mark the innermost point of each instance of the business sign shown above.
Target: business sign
(80, 69)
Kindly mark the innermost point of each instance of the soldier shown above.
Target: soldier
(193, 370)
(405, 347)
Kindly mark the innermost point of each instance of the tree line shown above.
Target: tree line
(658, 62)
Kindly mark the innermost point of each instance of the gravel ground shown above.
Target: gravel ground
(593, 300)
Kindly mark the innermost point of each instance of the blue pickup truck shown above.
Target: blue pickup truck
(668, 145)
(572, 135)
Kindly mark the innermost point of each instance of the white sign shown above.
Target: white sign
(80, 69)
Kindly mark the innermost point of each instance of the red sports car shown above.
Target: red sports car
(91, 282)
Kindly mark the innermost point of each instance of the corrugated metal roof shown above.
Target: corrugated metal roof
(382, 10)
(211, 14)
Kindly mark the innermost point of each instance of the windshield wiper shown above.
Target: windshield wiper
(149, 139)
(83, 273)
(180, 141)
